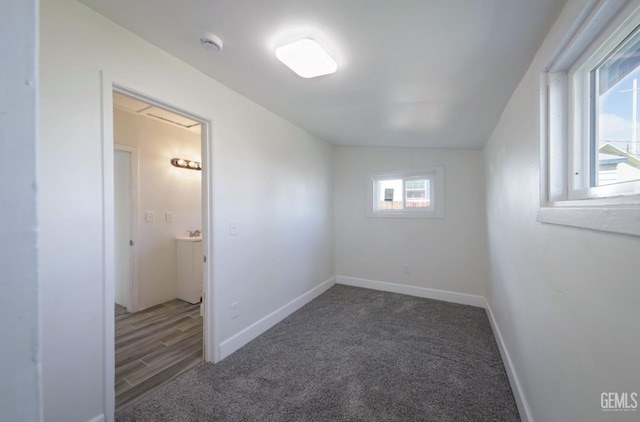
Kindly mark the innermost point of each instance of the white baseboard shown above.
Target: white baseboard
(454, 297)
(235, 342)
(516, 387)
(99, 418)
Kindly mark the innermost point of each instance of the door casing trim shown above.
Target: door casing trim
(112, 84)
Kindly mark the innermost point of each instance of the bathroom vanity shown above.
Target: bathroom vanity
(190, 266)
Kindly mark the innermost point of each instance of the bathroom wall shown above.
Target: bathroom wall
(162, 188)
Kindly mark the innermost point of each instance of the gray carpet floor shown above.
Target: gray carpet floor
(349, 355)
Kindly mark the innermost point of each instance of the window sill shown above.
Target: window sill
(425, 215)
(611, 219)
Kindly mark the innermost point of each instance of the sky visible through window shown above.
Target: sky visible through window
(618, 85)
(616, 116)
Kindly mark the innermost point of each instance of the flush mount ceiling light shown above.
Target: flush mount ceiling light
(211, 41)
(306, 58)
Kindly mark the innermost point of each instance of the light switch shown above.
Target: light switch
(169, 217)
(149, 216)
(233, 228)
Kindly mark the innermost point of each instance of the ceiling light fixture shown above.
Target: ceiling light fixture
(306, 58)
(211, 41)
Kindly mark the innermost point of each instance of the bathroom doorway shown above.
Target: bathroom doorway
(159, 259)
(157, 201)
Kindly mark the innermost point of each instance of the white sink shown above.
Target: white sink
(189, 239)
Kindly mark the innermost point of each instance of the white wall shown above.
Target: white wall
(162, 188)
(272, 177)
(444, 254)
(567, 300)
(19, 313)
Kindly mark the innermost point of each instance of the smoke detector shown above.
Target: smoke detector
(211, 41)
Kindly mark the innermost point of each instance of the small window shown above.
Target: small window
(406, 194)
(403, 194)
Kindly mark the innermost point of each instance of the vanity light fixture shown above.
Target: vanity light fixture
(306, 58)
(186, 164)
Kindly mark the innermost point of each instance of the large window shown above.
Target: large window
(406, 194)
(591, 143)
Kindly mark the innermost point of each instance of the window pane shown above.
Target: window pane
(390, 194)
(416, 184)
(614, 84)
(418, 195)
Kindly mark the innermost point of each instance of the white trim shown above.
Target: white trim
(112, 84)
(611, 220)
(134, 288)
(211, 317)
(98, 418)
(238, 340)
(444, 295)
(516, 387)
(108, 247)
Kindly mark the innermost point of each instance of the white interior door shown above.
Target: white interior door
(122, 205)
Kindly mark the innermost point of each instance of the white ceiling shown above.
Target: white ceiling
(411, 73)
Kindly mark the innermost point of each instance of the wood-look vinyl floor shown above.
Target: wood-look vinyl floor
(155, 345)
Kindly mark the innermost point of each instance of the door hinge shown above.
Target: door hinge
(205, 259)
(131, 243)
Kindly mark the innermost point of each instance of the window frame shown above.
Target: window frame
(581, 141)
(566, 195)
(435, 175)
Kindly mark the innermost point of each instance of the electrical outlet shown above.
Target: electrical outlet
(149, 216)
(406, 268)
(234, 310)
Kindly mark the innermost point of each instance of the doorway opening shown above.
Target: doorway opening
(158, 246)
(158, 314)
